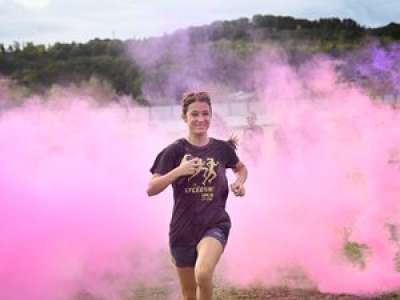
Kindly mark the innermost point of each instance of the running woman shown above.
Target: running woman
(196, 166)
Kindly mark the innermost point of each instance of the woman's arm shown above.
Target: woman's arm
(158, 182)
(241, 175)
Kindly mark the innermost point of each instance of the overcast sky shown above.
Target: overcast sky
(50, 21)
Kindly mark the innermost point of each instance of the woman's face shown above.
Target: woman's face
(198, 117)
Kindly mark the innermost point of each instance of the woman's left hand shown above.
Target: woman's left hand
(238, 189)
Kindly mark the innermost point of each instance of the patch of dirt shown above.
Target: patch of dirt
(221, 293)
(290, 294)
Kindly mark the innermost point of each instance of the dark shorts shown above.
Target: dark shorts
(186, 256)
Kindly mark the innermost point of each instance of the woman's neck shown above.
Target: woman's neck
(198, 140)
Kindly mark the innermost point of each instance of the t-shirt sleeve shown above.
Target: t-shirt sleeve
(231, 157)
(165, 161)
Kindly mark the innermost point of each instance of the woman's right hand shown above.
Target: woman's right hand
(189, 165)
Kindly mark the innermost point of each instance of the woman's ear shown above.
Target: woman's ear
(184, 118)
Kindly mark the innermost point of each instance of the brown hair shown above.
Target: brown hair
(190, 97)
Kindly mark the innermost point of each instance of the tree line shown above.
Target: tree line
(230, 47)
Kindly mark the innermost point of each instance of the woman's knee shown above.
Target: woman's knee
(203, 277)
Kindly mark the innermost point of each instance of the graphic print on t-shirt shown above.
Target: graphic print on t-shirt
(208, 169)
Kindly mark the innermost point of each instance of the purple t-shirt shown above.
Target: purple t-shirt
(199, 199)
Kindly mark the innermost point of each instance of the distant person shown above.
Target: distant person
(196, 166)
(252, 137)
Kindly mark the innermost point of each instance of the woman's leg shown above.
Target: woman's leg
(187, 282)
(209, 251)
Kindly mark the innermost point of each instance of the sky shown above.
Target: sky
(50, 21)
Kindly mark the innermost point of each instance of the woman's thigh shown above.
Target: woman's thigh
(209, 252)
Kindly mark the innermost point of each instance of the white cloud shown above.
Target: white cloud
(33, 4)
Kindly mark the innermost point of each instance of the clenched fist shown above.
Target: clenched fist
(238, 189)
(189, 165)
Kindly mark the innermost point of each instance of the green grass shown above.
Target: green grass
(356, 253)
